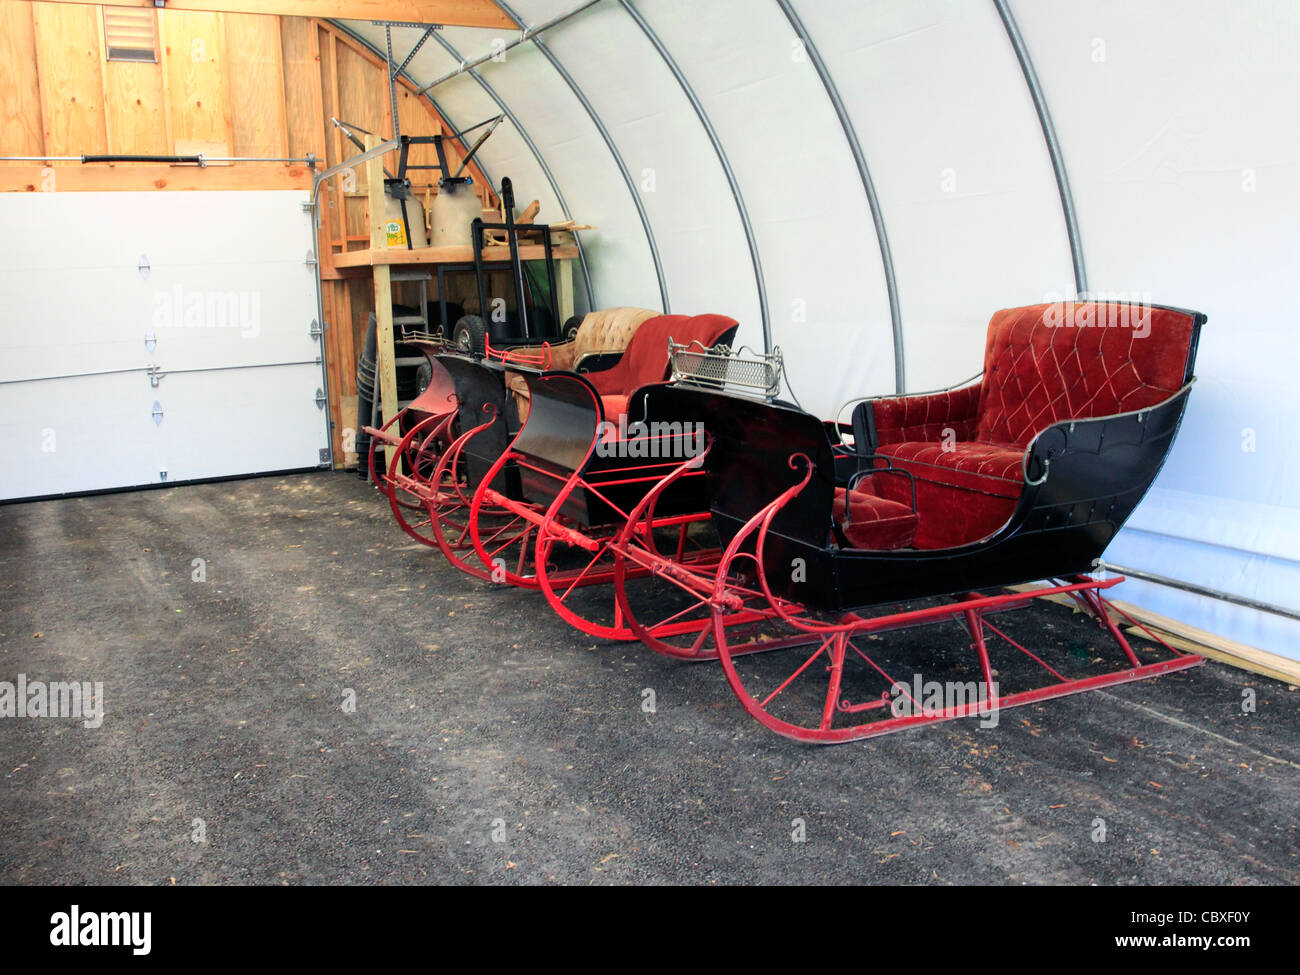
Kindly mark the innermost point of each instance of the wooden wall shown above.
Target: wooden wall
(227, 85)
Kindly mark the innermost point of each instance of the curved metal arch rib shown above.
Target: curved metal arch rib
(609, 143)
(722, 159)
(537, 154)
(1053, 145)
(869, 187)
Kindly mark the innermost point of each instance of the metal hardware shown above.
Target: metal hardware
(150, 340)
(324, 456)
(155, 374)
(719, 368)
(315, 331)
(143, 266)
(310, 260)
(321, 401)
(1192, 587)
(157, 413)
(467, 65)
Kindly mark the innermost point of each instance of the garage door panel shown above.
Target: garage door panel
(216, 315)
(86, 230)
(58, 439)
(226, 315)
(56, 323)
(222, 319)
(269, 421)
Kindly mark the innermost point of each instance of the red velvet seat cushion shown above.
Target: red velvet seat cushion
(615, 406)
(964, 491)
(873, 522)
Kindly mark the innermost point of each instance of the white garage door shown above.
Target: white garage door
(156, 337)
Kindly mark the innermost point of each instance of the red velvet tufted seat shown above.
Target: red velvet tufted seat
(645, 360)
(1042, 364)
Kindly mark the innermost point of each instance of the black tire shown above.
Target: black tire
(571, 328)
(469, 334)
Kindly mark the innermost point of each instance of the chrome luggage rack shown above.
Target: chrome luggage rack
(743, 371)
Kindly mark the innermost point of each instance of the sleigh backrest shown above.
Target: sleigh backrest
(1074, 360)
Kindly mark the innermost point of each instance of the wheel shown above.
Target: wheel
(413, 478)
(593, 578)
(470, 334)
(832, 679)
(571, 328)
(665, 574)
(481, 539)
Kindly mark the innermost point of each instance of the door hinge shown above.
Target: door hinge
(143, 266)
(157, 413)
(316, 330)
(324, 457)
(310, 260)
(321, 399)
(150, 340)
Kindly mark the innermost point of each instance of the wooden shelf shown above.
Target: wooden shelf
(455, 254)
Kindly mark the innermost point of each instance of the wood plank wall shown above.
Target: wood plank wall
(227, 85)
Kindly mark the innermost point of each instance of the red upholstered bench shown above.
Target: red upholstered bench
(868, 520)
(645, 360)
(966, 447)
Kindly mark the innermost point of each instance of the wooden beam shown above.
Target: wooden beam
(449, 254)
(564, 290)
(95, 178)
(453, 13)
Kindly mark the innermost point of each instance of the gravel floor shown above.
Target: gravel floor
(491, 743)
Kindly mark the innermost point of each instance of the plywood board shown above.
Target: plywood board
(302, 84)
(257, 110)
(194, 60)
(68, 60)
(20, 94)
(133, 100)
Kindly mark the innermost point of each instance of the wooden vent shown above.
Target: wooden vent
(130, 34)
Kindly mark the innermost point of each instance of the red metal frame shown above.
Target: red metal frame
(519, 356)
(834, 639)
(407, 491)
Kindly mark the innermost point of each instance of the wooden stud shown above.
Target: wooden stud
(384, 354)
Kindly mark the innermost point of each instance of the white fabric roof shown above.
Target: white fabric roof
(1184, 178)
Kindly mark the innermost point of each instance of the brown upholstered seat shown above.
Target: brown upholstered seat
(606, 330)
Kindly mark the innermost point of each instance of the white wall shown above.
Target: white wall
(1187, 181)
